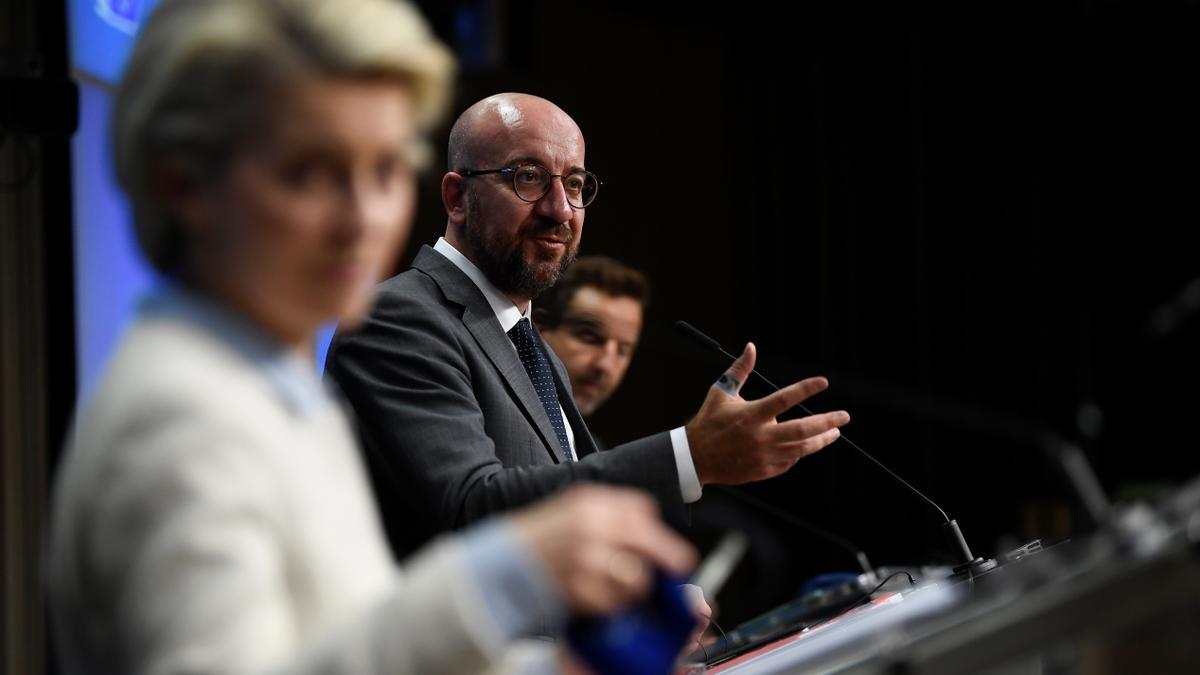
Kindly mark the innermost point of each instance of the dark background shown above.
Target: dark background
(966, 219)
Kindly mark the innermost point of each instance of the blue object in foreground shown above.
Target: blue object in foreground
(645, 639)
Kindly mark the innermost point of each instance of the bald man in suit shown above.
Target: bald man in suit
(463, 409)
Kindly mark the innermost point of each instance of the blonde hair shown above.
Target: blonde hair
(202, 73)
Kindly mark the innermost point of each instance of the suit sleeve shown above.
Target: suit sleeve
(408, 375)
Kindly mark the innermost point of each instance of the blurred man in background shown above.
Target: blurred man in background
(592, 318)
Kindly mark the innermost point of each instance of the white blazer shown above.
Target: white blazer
(204, 524)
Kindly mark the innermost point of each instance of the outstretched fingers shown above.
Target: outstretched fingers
(796, 450)
(783, 400)
(794, 431)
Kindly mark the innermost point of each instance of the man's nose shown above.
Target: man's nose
(554, 204)
(609, 358)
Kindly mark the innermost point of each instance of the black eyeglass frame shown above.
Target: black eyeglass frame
(512, 172)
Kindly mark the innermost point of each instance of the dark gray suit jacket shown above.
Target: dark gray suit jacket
(450, 423)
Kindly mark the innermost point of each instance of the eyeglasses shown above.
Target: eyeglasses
(531, 182)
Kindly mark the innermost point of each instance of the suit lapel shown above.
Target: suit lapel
(480, 321)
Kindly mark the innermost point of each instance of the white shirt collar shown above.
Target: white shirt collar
(506, 312)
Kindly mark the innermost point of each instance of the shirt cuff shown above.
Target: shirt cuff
(516, 587)
(689, 482)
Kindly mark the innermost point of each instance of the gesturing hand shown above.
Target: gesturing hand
(737, 441)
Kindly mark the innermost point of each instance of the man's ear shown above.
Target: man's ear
(454, 198)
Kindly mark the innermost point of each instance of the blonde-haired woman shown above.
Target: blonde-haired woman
(211, 515)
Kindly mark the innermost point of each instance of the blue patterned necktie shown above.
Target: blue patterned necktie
(537, 365)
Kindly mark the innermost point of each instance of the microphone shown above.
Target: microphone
(970, 564)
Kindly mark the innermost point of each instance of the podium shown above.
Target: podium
(1124, 599)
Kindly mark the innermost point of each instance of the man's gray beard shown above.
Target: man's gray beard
(510, 274)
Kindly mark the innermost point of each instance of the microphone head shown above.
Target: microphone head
(700, 338)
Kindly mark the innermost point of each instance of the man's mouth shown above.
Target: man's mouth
(555, 239)
(550, 243)
(594, 385)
